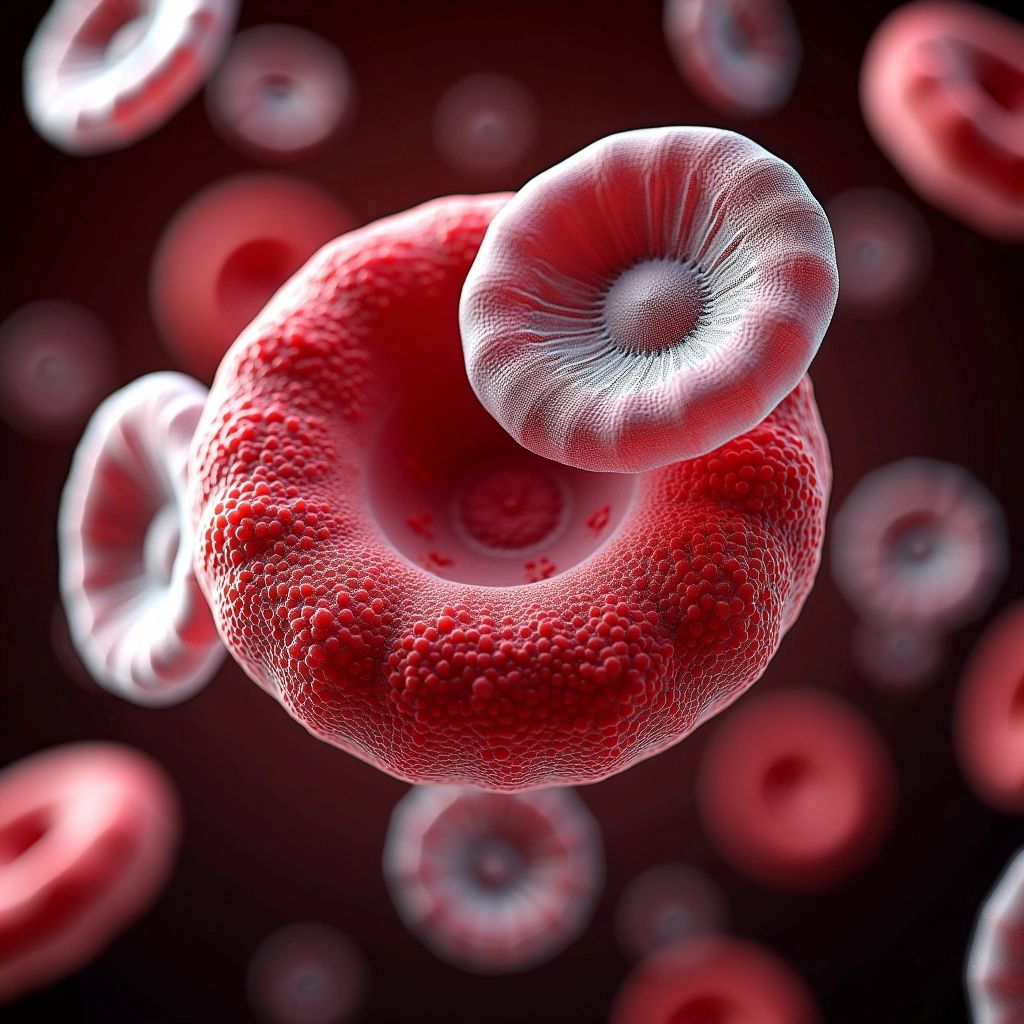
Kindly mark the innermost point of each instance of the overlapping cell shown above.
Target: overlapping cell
(942, 91)
(796, 789)
(421, 592)
(135, 611)
(919, 543)
(87, 839)
(101, 74)
(224, 255)
(494, 882)
(282, 93)
(648, 299)
(741, 56)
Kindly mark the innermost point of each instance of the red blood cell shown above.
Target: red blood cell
(101, 74)
(942, 91)
(897, 659)
(648, 299)
(87, 838)
(796, 789)
(56, 362)
(494, 882)
(224, 255)
(989, 721)
(919, 544)
(713, 981)
(281, 92)
(995, 963)
(741, 56)
(136, 614)
(341, 479)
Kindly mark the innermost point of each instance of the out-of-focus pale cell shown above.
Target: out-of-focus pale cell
(224, 255)
(919, 544)
(135, 610)
(494, 882)
(942, 91)
(648, 299)
(989, 718)
(281, 93)
(485, 122)
(713, 981)
(740, 56)
(994, 973)
(883, 249)
(667, 904)
(88, 835)
(897, 659)
(56, 362)
(101, 74)
(306, 974)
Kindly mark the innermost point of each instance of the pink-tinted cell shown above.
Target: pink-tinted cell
(882, 249)
(485, 122)
(995, 963)
(224, 255)
(919, 544)
(714, 981)
(306, 973)
(796, 789)
(740, 56)
(897, 659)
(420, 591)
(648, 299)
(942, 91)
(101, 74)
(87, 839)
(665, 905)
(281, 93)
(989, 721)
(136, 614)
(494, 882)
(56, 362)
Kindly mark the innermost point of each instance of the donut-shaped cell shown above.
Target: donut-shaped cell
(136, 614)
(87, 839)
(995, 963)
(796, 790)
(648, 299)
(420, 591)
(224, 255)
(101, 74)
(919, 543)
(942, 91)
(989, 719)
(494, 882)
(897, 659)
(740, 56)
(281, 93)
(713, 981)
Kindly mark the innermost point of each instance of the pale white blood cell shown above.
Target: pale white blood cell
(135, 611)
(648, 299)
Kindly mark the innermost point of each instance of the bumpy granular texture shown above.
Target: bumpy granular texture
(675, 608)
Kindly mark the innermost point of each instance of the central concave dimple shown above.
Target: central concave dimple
(654, 305)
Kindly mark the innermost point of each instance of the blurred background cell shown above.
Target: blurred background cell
(667, 904)
(882, 249)
(494, 882)
(796, 789)
(989, 717)
(224, 255)
(896, 659)
(281, 93)
(56, 362)
(485, 123)
(101, 74)
(741, 57)
(942, 91)
(306, 973)
(88, 835)
(919, 543)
